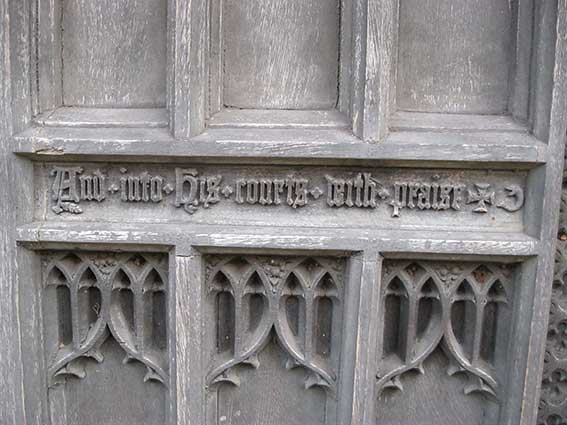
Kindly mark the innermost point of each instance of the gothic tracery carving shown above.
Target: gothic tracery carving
(94, 296)
(296, 300)
(458, 306)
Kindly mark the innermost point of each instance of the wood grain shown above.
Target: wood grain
(454, 56)
(114, 53)
(186, 346)
(15, 115)
(281, 54)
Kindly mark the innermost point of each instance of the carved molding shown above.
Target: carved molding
(453, 305)
(295, 300)
(553, 401)
(94, 296)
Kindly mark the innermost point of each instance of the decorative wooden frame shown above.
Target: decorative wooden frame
(47, 81)
(358, 57)
(21, 145)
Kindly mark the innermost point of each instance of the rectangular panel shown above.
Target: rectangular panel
(105, 337)
(280, 54)
(444, 325)
(114, 53)
(289, 196)
(455, 56)
(273, 329)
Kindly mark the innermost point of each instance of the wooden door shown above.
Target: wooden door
(281, 212)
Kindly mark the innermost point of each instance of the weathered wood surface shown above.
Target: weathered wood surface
(264, 44)
(265, 118)
(186, 305)
(114, 53)
(14, 209)
(11, 403)
(454, 56)
(104, 117)
(373, 49)
(389, 241)
(467, 149)
(474, 58)
(546, 229)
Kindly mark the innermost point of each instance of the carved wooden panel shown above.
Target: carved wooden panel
(553, 402)
(105, 331)
(444, 325)
(274, 329)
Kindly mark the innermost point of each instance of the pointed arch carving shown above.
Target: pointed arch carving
(295, 300)
(455, 306)
(118, 295)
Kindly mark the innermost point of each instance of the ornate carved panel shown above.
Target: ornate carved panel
(274, 330)
(553, 402)
(362, 196)
(105, 320)
(454, 318)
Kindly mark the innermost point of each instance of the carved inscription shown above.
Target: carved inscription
(191, 190)
(90, 297)
(465, 308)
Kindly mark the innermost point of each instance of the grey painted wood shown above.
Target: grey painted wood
(15, 111)
(548, 229)
(114, 53)
(373, 26)
(364, 356)
(436, 122)
(390, 241)
(263, 43)
(523, 30)
(454, 57)
(188, 68)
(103, 117)
(48, 87)
(542, 68)
(521, 81)
(308, 146)
(257, 118)
(188, 382)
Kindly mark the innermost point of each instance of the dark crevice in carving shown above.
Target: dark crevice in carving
(90, 300)
(158, 333)
(489, 332)
(225, 322)
(64, 315)
(254, 302)
(293, 306)
(429, 310)
(395, 318)
(463, 317)
(323, 323)
(224, 315)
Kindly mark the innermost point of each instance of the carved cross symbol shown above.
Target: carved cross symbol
(483, 196)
